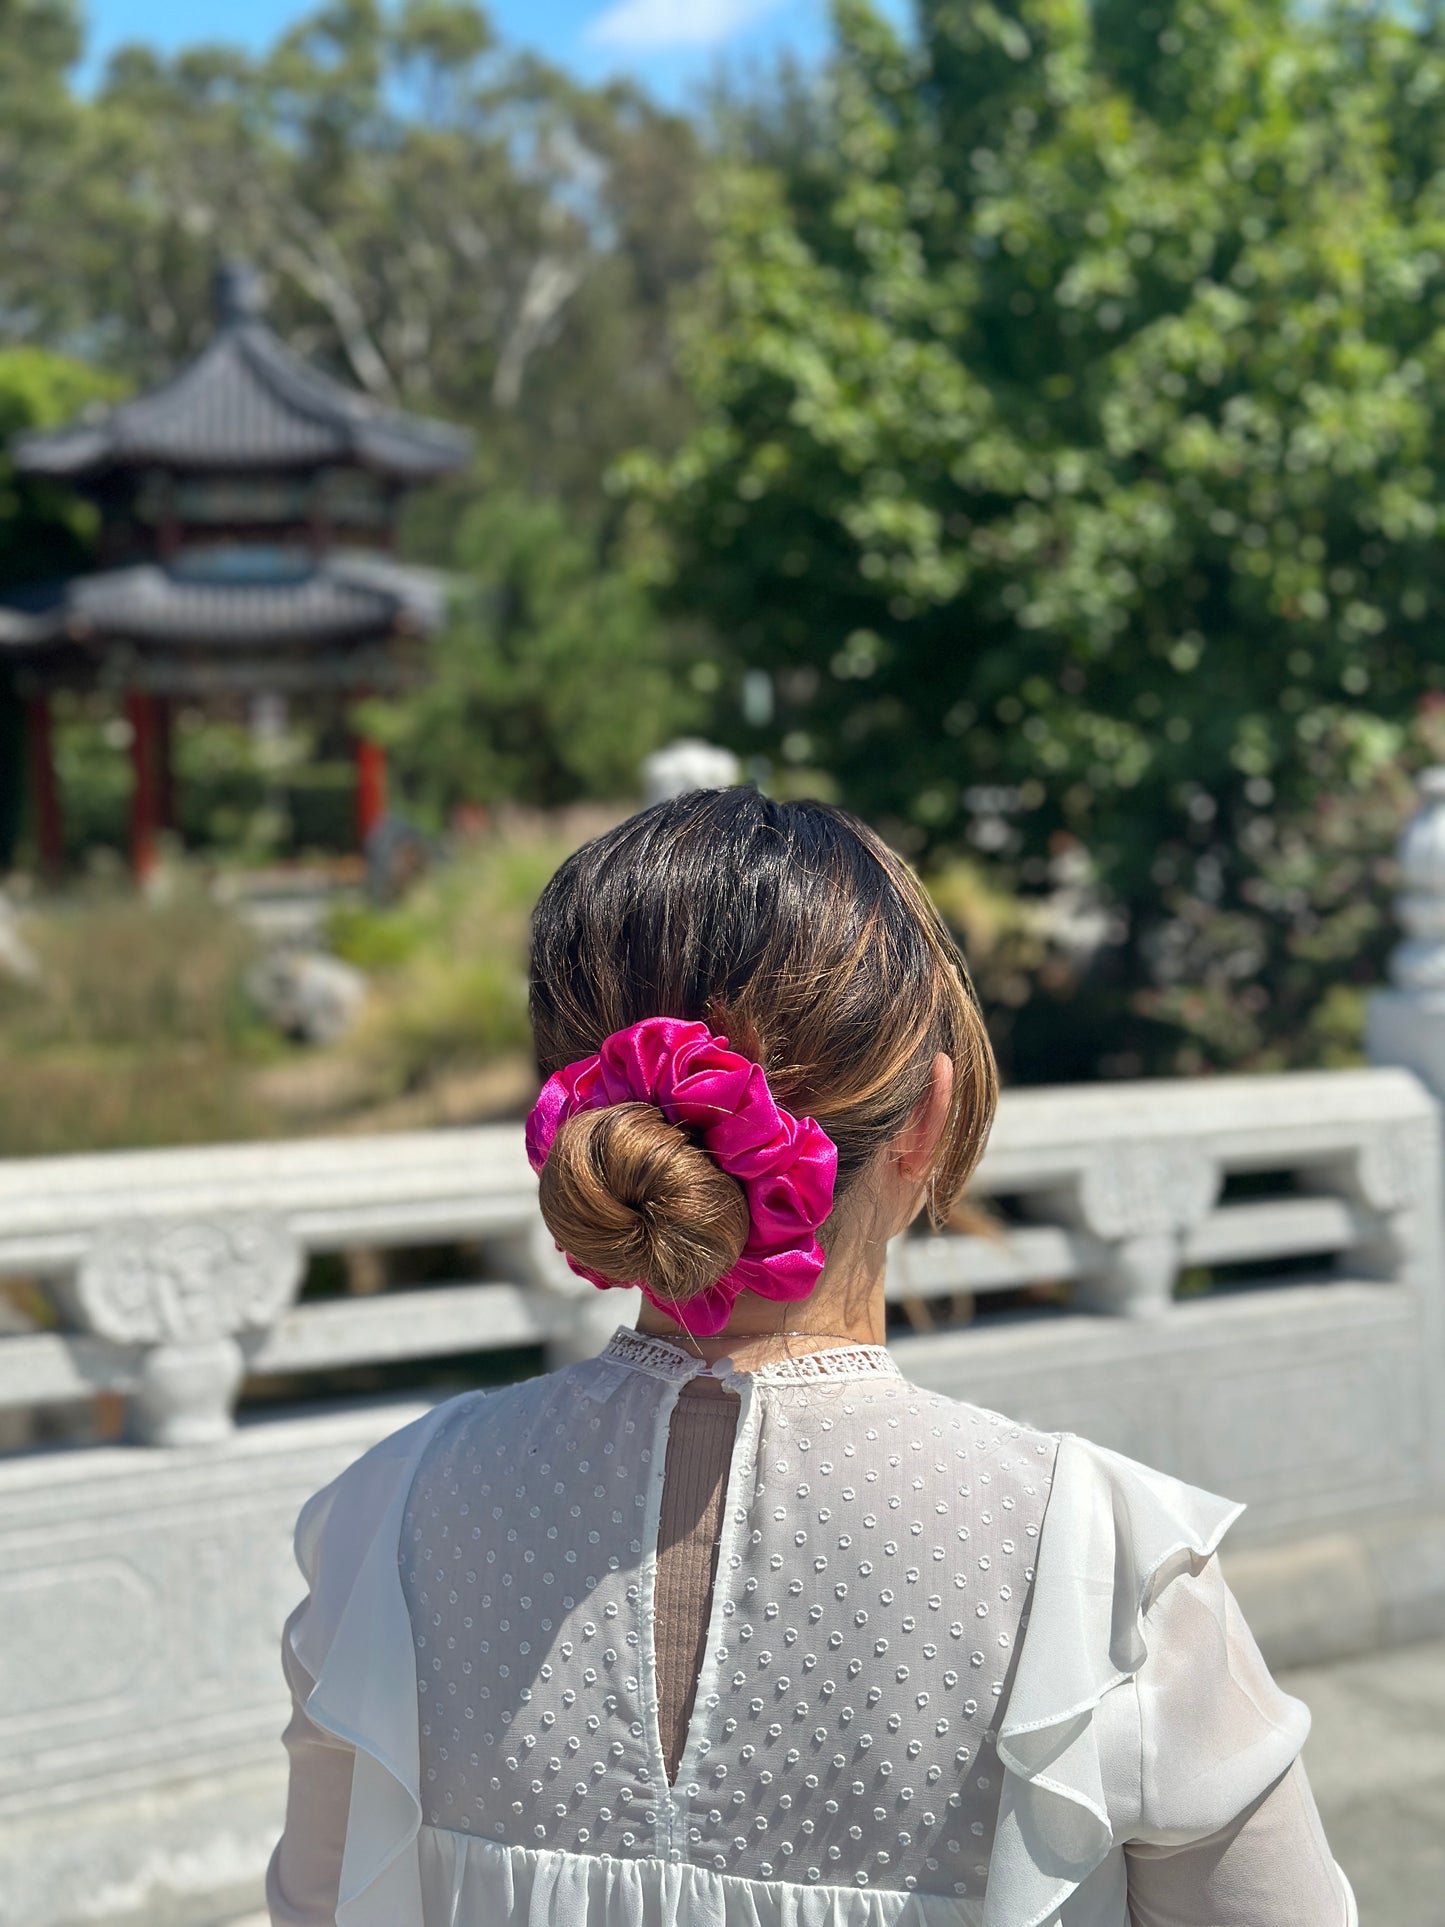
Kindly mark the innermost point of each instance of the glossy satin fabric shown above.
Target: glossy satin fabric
(786, 1165)
(1138, 1753)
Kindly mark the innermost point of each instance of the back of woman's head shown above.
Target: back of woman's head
(793, 931)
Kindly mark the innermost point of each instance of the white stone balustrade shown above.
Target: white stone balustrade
(177, 1271)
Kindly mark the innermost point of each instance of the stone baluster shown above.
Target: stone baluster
(580, 1317)
(183, 1293)
(1393, 1181)
(1405, 1025)
(1138, 1200)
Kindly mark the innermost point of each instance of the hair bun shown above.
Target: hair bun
(630, 1195)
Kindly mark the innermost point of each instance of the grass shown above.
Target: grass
(138, 1031)
(117, 972)
(448, 966)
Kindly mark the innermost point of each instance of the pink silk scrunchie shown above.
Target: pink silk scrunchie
(786, 1165)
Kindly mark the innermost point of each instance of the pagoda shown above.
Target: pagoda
(247, 510)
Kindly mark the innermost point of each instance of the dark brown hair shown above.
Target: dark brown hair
(795, 932)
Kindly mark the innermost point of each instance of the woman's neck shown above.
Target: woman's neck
(845, 1307)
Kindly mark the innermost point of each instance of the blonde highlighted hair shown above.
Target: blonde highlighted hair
(791, 929)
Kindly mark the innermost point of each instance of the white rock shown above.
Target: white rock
(315, 998)
(17, 959)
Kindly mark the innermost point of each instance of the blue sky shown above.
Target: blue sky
(671, 44)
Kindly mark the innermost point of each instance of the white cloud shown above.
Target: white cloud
(676, 23)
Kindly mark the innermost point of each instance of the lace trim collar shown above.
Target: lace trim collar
(666, 1360)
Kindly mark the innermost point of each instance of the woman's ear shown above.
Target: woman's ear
(916, 1146)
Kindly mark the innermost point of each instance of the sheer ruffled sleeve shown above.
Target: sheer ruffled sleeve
(1271, 1866)
(303, 1881)
(1141, 1712)
(350, 1660)
(1214, 1728)
(1226, 1828)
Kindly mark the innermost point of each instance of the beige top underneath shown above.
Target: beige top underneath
(699, 1449)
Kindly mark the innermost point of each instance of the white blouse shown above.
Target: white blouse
(958, 1674)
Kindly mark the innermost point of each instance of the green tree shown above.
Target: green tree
(40, 141)
(445, 222)
(552, 680)
(43, 532)
(1069, 456)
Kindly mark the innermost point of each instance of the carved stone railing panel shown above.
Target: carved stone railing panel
(432, 1323)
(184, 1283)
(1138, 1199)
(182, 1293)
(413, 1188)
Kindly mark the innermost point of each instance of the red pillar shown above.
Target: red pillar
(145, 812)
(370, 787)
(45, 790)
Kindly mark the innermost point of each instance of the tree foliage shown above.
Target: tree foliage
(1070, 454)
(1049, 443)
(444, 222)
(551, 681)
(43, 531)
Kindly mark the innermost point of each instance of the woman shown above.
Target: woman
(733, 1626)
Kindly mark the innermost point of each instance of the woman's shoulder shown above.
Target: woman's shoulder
(366, 1483)
(1152, 1514)
(425, 1443)
(985, 1425)
(1116, 1533)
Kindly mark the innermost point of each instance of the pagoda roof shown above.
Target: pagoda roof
(246, 402)
(345, 597)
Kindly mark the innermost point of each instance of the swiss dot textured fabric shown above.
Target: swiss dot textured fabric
(877, 1554)
(954, 1672)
